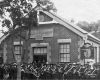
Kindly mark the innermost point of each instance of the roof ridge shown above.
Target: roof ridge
(74, 26)
(65, 20)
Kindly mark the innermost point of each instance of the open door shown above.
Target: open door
(40, 55)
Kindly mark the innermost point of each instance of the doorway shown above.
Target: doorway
(39, 55)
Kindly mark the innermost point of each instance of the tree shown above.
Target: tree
(21, 13)
(84, 25)
(93, 26)
(98, 22)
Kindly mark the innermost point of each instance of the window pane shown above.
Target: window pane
(64, 46)
(68, 55)
(35, 50)
(45, 50)
(68, 46)
(65, 55)
(38, 50)
(17, 48)
(17, 52)
(68, 59)
(68, 50)
(64, 59)
(61, 51)
(61, 60)
(65, 51)
(41, 50)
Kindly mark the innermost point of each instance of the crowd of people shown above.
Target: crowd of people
(8, 71)
(49, 71)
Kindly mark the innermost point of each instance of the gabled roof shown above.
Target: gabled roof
(93, 38)
(96, 34)
(67, 24)
(3, 37)
(73, 25)
(79, 31)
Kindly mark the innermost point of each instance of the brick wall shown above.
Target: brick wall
(60, 32)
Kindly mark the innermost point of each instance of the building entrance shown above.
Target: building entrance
(40, 55)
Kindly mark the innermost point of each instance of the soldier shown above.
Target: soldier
(22, 71)
(14, 71)
(43, 72)
(54, 71)
(10, 75)
(98, 74)
(60, 72)
(6, 72)
(75, 74)
(1, 71)
(68, 74)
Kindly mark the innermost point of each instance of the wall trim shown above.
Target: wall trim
(64, 40)
(39, 44)
(17, 43)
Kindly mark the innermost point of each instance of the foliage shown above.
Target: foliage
(93, 26)
(21, 12)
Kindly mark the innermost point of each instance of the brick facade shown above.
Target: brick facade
(48, 34)
(59, 32)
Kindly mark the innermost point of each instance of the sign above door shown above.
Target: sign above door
(38, 34)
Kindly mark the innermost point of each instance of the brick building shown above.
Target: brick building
(54, 40)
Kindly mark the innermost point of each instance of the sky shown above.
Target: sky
(79, 10)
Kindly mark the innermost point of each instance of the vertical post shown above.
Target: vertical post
(84, 54)
(84, 60)
(19, 63)
(95, 55)
(18, 71)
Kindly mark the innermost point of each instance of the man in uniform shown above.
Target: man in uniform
(1, 71)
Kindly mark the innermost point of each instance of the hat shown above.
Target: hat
(47, 63)
(74, 63)
(14, 63)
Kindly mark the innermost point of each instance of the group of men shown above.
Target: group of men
(49, 71)
(59, 71)
(8, 71)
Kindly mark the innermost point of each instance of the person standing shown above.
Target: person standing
(1, 71)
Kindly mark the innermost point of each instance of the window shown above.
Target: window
(40, 50)
(17, 49)
(17, 52)
(64, 52)
(44, 18)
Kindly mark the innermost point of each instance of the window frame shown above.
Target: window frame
(18, 46)
(43, 50)
(64, 59)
